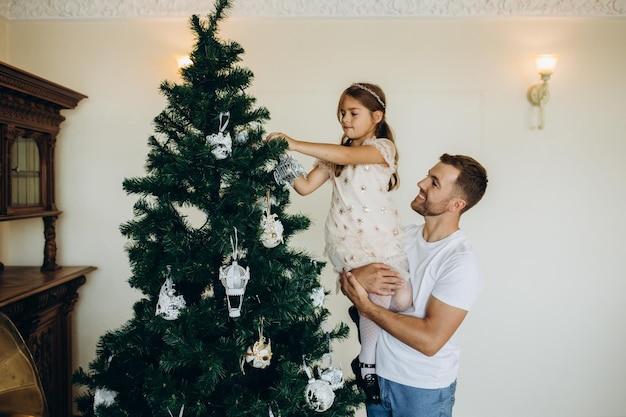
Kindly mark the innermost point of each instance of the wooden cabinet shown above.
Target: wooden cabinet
(40, 304)
(38, 299)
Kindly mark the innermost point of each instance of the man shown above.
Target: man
(417, 354)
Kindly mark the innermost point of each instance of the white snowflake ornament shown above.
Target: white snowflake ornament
(221, 142)
(234, 278)
(169, 304)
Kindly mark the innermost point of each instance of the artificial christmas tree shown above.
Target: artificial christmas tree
(231, 322)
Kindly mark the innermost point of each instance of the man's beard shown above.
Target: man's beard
(424, 208)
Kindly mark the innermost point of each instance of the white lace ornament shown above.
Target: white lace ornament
(318, 394)
(287, 170)
(234, 278)
(272, 235)
(169, 304)
(259, 354)
(222, 143)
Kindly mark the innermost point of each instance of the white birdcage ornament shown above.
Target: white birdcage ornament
(234, 278)
(221, 142)
(287, 170)
(272, 234)
(169, 304)
(259, 355)
(318, 393)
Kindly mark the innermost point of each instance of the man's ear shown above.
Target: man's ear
(457, 204)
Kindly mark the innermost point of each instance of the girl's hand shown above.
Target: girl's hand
(279, 135)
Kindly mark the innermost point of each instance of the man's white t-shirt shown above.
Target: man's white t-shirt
(449, 271)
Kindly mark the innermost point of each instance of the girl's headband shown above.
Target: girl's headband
(369, 90)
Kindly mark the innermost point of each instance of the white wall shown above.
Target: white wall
(546, 338)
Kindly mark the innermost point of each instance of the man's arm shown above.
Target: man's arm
(427, 335)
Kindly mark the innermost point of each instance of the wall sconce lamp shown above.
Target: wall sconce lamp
(539, 94)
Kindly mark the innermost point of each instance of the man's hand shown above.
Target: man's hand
(353, 290)
(378, 278)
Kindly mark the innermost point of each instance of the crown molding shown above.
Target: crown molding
(124, 9)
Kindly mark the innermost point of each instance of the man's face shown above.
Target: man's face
(437, 191)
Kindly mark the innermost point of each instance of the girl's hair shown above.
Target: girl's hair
(373, 98)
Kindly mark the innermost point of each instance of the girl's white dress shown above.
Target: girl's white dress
(362, 224)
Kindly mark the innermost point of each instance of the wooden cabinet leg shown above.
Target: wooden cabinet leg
(50, 246)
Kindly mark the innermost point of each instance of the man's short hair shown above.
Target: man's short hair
(472, 180)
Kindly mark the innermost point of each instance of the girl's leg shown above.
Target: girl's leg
(369, 335)
(402, 300)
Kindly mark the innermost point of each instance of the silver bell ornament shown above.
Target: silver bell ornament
(234, 278)
(318, 393)
(272, 235)
(259, 355)
(287, 170)
(169, 304)
(221, 142)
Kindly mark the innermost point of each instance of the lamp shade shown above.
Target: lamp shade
(546, 63)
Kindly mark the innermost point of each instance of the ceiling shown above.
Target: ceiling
(123, 9)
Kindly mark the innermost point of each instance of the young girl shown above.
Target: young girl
(362, 224)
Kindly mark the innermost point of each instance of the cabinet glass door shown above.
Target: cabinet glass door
(25, 173)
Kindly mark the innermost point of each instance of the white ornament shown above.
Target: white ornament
(222, 143)
(103, 396)
(271, 413)
(241, 137)
(331, 374)
(318, 394)
(272, 235)
(334, 377)
(234, 278)
(259, 355)
(169, 304)
(180, 413)
(287, 170)
(317, 297)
